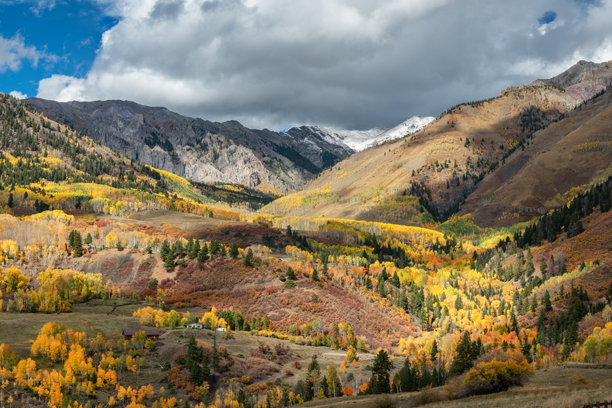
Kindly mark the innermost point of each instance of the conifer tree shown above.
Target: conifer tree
(77, 244)
(169, 261)
(193, 249)
(233, 252)
(547, 303)
(434, 351)
(379, 382)
(165, 249)
(534, 303)
(248, 259)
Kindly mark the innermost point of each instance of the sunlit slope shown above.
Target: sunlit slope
(45, 165)
(438, 168)
(446, 159)
(567, 154)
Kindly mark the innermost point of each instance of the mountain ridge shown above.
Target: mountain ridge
(195, 148)
(443, 165)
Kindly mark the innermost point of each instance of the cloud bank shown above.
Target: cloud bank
(345, 63)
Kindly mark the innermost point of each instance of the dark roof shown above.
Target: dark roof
(147, 332)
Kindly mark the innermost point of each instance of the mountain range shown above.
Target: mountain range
(505, 159)
(206, 151)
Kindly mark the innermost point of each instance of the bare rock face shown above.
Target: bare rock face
(197, 149)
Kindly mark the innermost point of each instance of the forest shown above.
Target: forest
(446, 304)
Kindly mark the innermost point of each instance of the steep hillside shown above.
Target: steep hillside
(444, 163)
(567, 154)
(196, 149)
(46, 165)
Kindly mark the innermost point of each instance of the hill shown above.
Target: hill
(446, 162)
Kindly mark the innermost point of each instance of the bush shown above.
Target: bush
(428, 396)
(289, 284)
(152, 282)
(578, 380)
(497, 371)
(288, 373)
(383, 402)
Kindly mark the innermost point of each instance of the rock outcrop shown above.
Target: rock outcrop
(198, 149)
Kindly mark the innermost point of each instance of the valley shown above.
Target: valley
(435, 262)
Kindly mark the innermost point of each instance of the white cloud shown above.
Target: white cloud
(18, 95)
(13, 51)
(345, 63)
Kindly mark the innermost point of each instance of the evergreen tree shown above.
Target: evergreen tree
(203, 254)
(189, 245)
(547, 303)
(395, 280)
(88, 239)
(248, 259)
(458, 302)
(214, 247)
(10, 201)
(77, 244)
(434, 351)
(534, 303)
(215, 359)
(169, 261)
(233, 252)
(178, 248)
(194, 249)
(196, 374)
(165, 249)
(382, 289)
(408, 380)
(315, 275)
(379, 382)
(463, 356)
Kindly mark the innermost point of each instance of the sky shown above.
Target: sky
(347, 64)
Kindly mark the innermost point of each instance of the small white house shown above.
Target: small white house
(221, 329)
(195, 326)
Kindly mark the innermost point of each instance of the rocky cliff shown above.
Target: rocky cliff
(198, 149)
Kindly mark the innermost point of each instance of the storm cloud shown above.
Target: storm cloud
(351, 64)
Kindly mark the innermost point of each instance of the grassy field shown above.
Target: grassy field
(18, 329)
(183, 221)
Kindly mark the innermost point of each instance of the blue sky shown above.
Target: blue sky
(349, 64)
(66, 35)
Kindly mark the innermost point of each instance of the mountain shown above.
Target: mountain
(539, 176)
(197, 149)
(468, 152)
(406, 128)
(359, 140)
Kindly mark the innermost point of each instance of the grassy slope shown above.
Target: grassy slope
(360, 187)
(550, 166)
(391, 165)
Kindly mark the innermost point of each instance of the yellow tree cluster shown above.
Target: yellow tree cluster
(158, 318)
